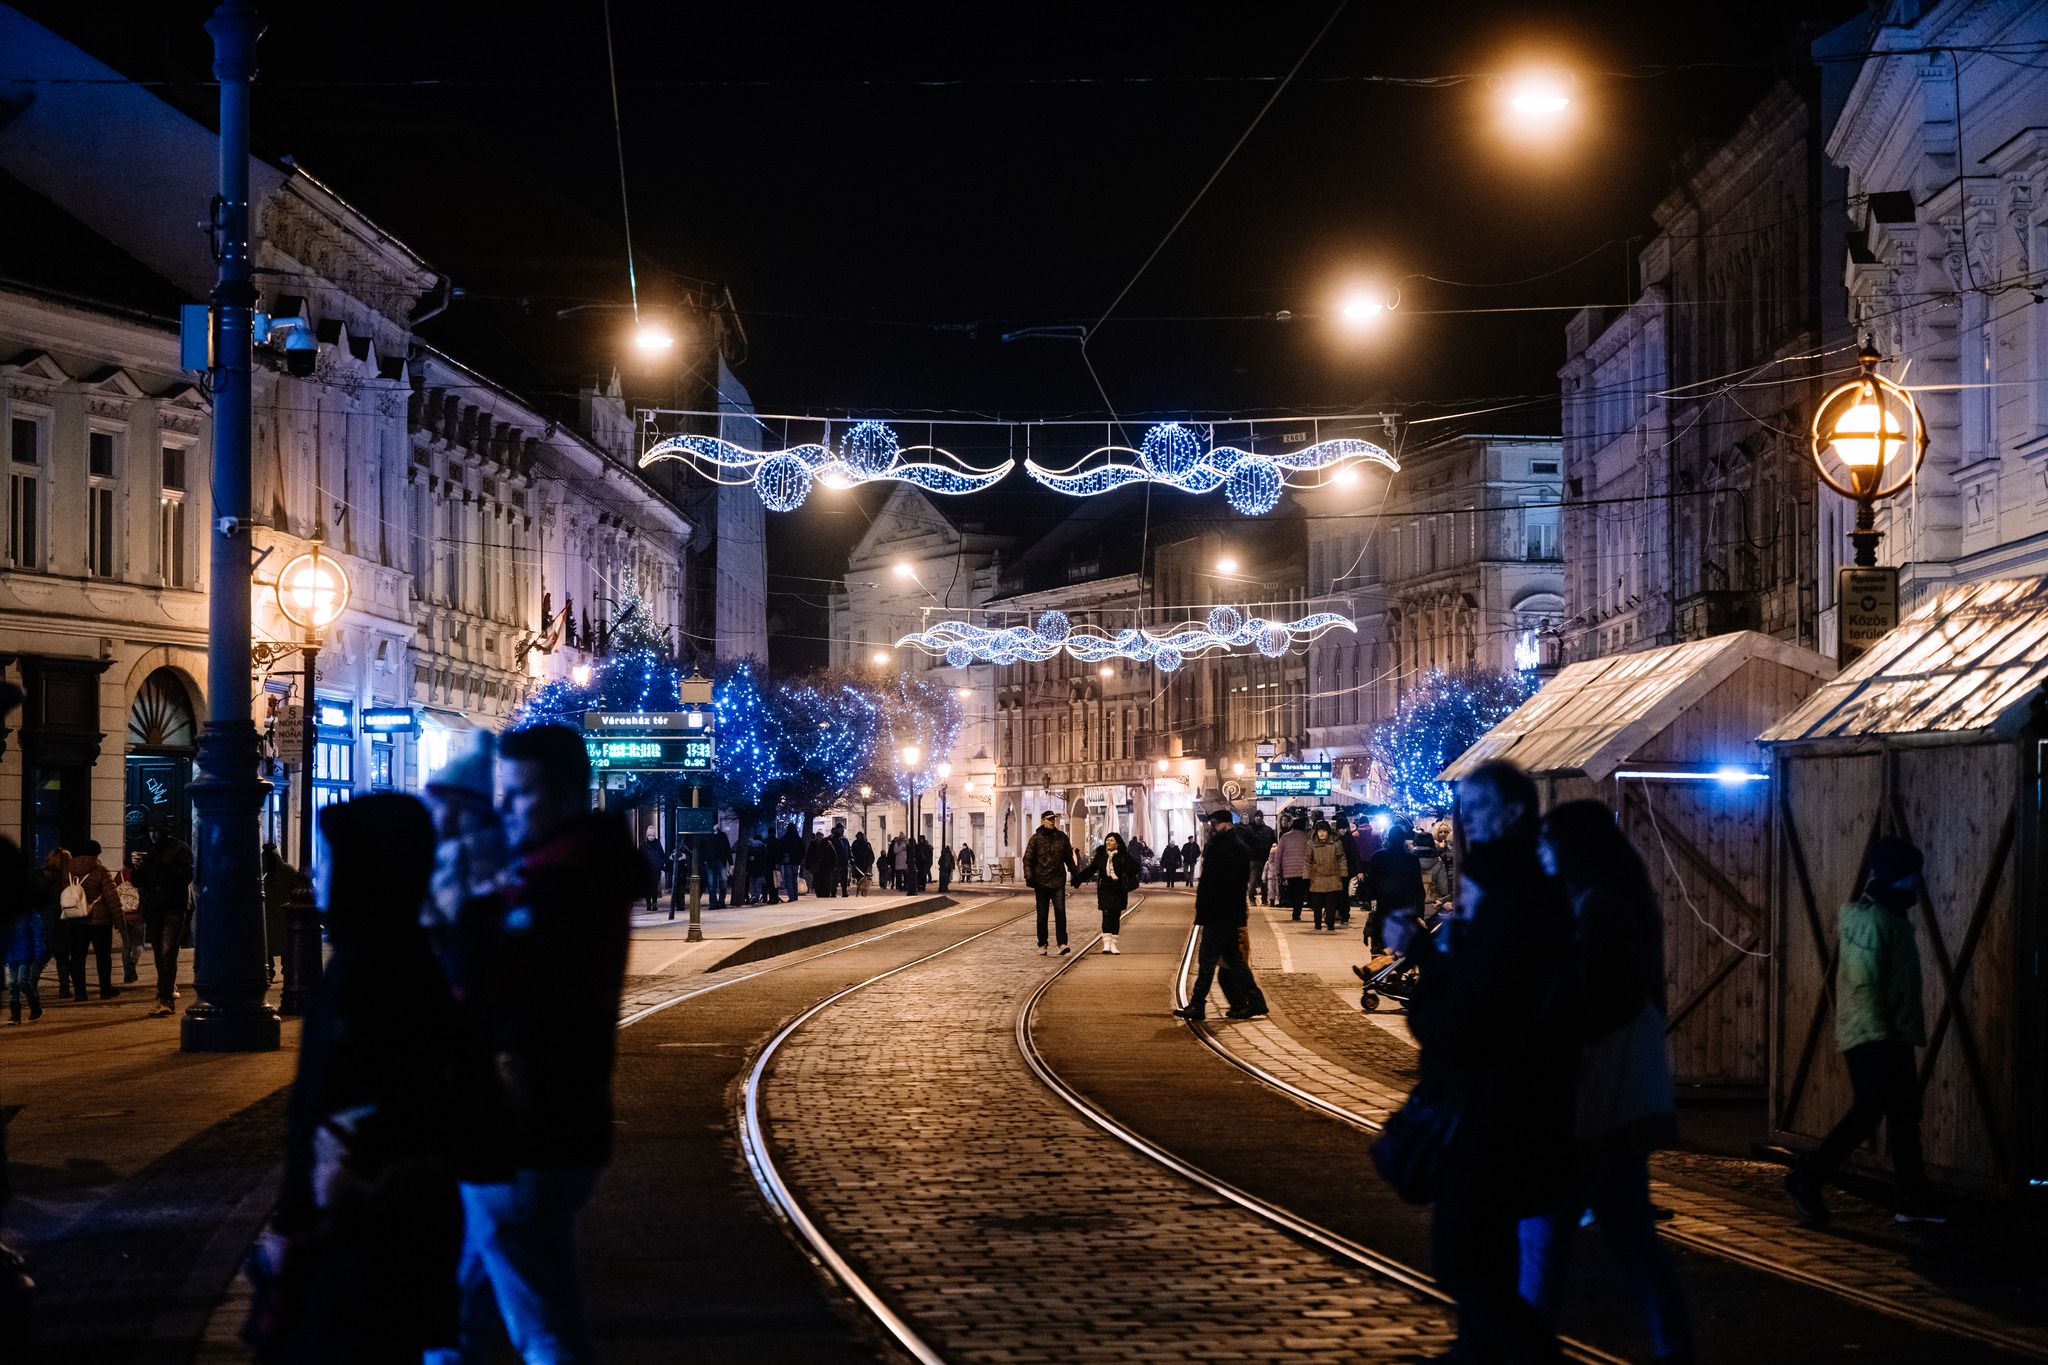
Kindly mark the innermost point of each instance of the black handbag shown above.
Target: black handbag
(1411, 1150)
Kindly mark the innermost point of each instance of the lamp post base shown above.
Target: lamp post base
(217, 1028)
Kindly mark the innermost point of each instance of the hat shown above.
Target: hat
(468, 773)
(1048, 815)
(1223, 815)
(1893, 860)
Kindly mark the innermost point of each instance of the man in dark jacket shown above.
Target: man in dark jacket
(1492, 1015)
(821, 863)
(1048, 865)
(1259, 838)
(1393, 880)
(716, 852)
(842, 852)
(163, 879)
(538, 969)
(789, 856)
(1221, 911)
(945, 867)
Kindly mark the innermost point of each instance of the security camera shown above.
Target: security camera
(294, 339)
(229, 526)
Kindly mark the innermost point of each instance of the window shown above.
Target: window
(99, 531)
(24, 544)
(173, 539)
(99, 454)
(1542, 533)
(26, 441)
(1543, 467)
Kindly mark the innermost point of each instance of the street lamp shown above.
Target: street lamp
(580, 674)
(880, 658)
(312, 591)
(1868, 442)
(866, 794)
(945, 771)
(1227, 564)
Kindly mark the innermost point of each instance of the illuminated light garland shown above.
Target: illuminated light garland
(1440, 719)
(868, 451)
(1172, 454)
(960, 642)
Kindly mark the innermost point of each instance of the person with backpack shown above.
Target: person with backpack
(130, 926)
(91, 907)
(1115, 873)
(60, 935)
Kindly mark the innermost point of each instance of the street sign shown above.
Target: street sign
(291, 733)
(638, 722)
(690, 753)
(694, 691)
(1295, 777)
(1866, 608)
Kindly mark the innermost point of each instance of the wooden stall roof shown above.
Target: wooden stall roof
(1593, 715)
(1967, 663)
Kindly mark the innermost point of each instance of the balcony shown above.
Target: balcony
(1717, 612)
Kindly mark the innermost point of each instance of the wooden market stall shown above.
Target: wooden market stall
(1666, 738)
(1939, 734)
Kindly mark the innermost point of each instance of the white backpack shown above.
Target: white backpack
(71, 901)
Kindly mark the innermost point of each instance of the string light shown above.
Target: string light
(1442, 718)
(868, 451)
(1173, 455)
(961, 642)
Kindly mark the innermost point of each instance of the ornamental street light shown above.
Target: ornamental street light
(910, 755)
(312, 592)
(1868, 442)
(866, 794)
(945, 771)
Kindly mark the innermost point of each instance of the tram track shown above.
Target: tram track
(1891, 1304)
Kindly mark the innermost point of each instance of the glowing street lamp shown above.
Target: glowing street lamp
(1227, 564)
(651, 339)
(880, 658)
(1538, 98)
(1868, 442)
(312, 592)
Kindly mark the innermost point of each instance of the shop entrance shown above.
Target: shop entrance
(163, 735)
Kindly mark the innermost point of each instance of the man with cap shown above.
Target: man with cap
(1048, 866)
(1878, 1023)
(469, 851)
(1221, 909)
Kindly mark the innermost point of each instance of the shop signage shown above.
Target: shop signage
(334, 715)
(685, 753)
(634, 722)
(1866, 607)
(390, 720)
(291, 733)
(1294, 777)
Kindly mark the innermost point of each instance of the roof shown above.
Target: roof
(1971, 661)
(1593, 716)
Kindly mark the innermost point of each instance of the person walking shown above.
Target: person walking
(130, 926)
(539, 964)
(1496, 1053)
(789, 856)
(1624, 1106)
(102, 910)
(1114, 870)
(1393, 879)
(1878, 1023)
(924, 863)
(278, 879)
(1293, 870)
(945, 868)
(1048, 864)
(905, 860)
(1259, 839)
(964, 863)
(657, 865)
(1221, 909)
(842, 857)
(1328, 875)
(1190, 853)
(821, 864)
(63, 936)
(860, 854)
(21, 953)
(164, 877)
(716, 864)
(1169, 863)
(360, 1260)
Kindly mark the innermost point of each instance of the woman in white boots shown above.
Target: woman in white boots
(1115, 873)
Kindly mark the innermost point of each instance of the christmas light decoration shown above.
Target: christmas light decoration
(1439, 720)
(1174, 455)
(960, 642)
(867, 451)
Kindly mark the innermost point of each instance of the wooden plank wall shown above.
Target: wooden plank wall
(1955, 802)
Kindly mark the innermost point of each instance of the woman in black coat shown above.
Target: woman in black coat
(359, 1263)
(1115, 874)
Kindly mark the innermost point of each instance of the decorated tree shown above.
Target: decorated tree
(1436, 723)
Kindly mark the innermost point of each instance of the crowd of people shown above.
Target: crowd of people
(782, 863)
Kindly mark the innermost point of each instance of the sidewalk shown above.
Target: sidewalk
(141, 1172)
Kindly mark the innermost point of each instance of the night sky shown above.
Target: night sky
(887, 190)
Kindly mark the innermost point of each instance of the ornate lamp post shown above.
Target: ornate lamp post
(867, 794)
(945, 830)
(312, 591)
(1868, 441)
(910, 754)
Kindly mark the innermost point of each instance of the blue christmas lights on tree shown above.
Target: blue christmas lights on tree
(1438, 721)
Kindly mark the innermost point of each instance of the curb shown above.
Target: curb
(810, 935)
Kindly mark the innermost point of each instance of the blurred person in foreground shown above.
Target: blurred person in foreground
(1624, 1106)
(469, 849)
(22, 895)
(1491, 1014)
(538, 963)
(358, 1263)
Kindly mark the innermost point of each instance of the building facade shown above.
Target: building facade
(1945, 148)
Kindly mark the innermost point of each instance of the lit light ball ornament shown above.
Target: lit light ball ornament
(1171, 451)
(1168, 659)
(870, 449)
(959, 656)
(1225, 620)
(1053, 627)
(1168, 649)
(1274, 640)
(783, 482)
(1253, 487)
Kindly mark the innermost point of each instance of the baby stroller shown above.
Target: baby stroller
(1393, 978)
